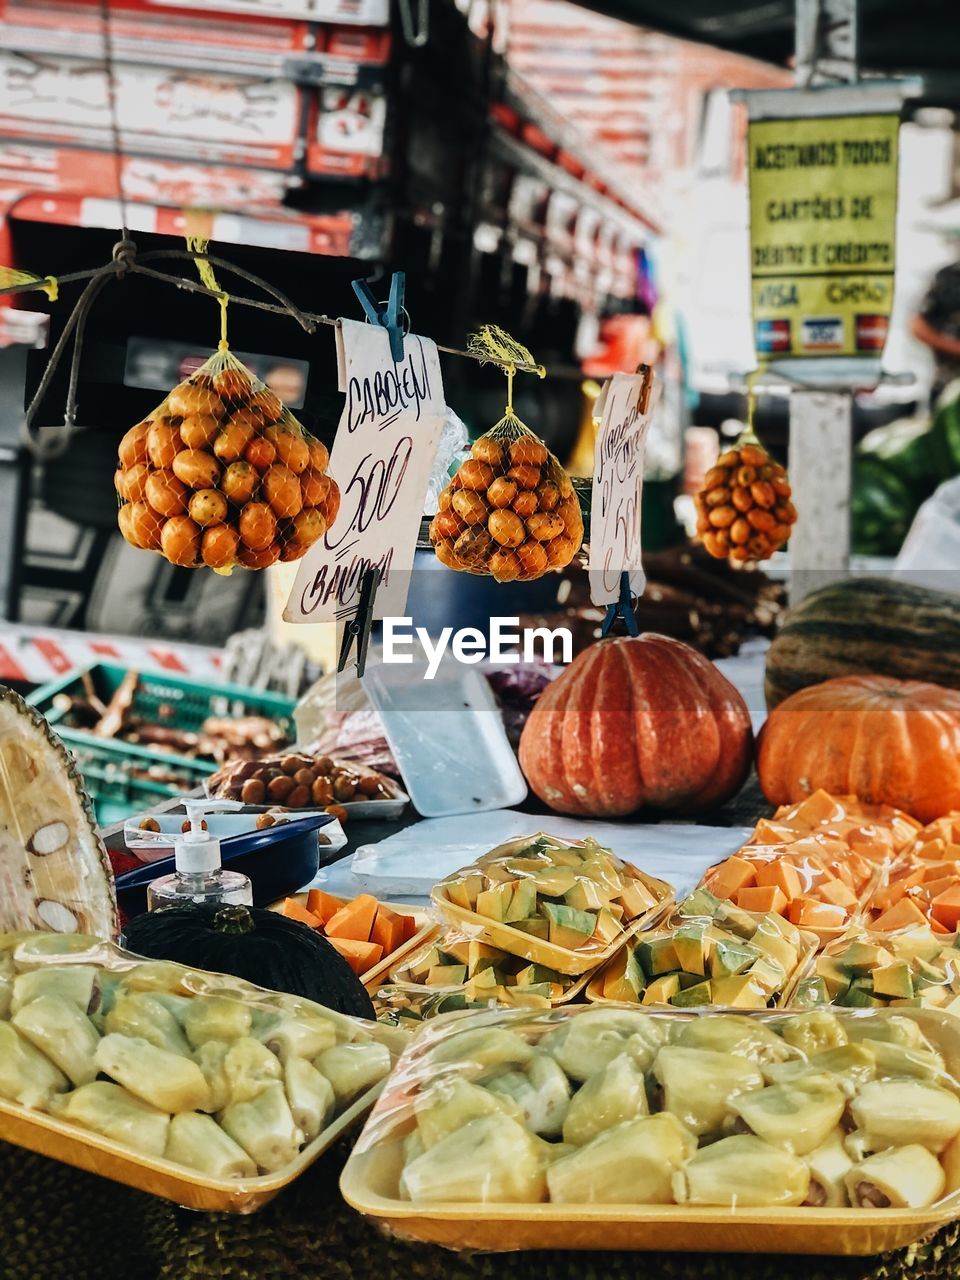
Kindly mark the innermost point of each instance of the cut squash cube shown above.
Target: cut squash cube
(354, 920)
(731, 876)
(323, 905)
(662, 990)
(494, 903)
(523, 901)
(636, 899)
(587, 895)
(569, 928)
(387, 930)
(783, 876)
(901, 916)
(295, 910)
(762, 898)
(360, 956)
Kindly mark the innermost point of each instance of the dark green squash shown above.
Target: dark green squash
(866, 626)
(260, 946)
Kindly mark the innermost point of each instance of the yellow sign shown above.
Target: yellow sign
(823, 211)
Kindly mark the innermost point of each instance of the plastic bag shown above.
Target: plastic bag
(510, 511)
(454, 445)
(727, 958)
(222, 474)
(591, 1107)
(258, 1082)
(565, 904)
(912, 966)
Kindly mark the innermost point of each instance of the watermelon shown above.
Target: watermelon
(866, 625)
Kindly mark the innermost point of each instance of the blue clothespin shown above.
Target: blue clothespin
(388, 315)
(622, 609)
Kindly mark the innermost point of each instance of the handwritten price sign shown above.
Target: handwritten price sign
(618, 487)
(381, 459)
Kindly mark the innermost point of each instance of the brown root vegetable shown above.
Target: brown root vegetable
(257, 526)
(292, 450)
(470, 506)
(281, 489)
(254, 559)
(260, 453)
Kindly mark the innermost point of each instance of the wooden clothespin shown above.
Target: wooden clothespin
(358, 628)
(646, 390)
(389, 315)
(624, 609)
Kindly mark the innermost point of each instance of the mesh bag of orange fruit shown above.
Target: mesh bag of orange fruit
(222, 474)
(744, 509)
(510, 511)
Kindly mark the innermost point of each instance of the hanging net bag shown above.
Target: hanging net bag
(510, 510)
(222, 474)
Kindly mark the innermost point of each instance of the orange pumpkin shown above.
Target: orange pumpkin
(637, 722)
(883, 740)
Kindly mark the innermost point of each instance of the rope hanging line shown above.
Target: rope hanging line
(126, 261)
(309, 321)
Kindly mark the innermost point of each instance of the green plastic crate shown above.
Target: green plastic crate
(108, 764)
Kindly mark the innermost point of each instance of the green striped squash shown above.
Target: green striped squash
(866, 625)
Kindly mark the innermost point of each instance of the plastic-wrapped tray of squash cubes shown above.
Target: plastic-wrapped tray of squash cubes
(599, 1127)
(455, 971)
(198, 1087)
(712, 953)
(565, 904)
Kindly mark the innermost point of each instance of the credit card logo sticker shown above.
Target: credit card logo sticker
(821, 333)
(772, 336)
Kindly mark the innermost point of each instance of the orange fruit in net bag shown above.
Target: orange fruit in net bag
(257, 526)
(165, 493)
(199, 430)
(260, 453)
(180, 541)
(219, 546)
(196, 468)
(208, 507)
(163, 444)
(281, 488)
(133, 446)
(214, 472)
(240, 482)
(263, 559)
(744, 512)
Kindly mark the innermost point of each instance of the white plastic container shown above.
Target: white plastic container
(447, 737)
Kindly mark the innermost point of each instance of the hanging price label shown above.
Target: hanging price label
(624, 408)
(381, 459)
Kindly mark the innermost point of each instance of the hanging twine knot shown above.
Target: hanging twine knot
(125, 254)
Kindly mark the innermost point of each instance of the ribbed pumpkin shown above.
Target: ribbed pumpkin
(854, 626)
(882, 740)
(637, 722)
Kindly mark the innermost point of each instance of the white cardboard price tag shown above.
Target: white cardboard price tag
(381, 459)
(618, 487)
